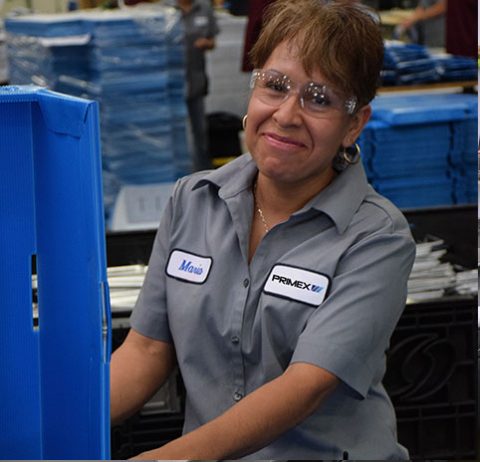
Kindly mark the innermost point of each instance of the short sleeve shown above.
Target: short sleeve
(350, 331)
(149, 316)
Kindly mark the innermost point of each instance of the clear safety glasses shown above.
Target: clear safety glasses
(316, 99)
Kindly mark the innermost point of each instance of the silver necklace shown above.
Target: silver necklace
(259, 210)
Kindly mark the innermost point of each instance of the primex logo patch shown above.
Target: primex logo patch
(297, 284)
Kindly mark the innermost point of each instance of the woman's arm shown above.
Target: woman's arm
(205, 43)
(423, 14)
(137, 369)
(257, 419)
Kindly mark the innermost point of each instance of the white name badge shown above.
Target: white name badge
(200, 21)
(297, 284)
(188, 266)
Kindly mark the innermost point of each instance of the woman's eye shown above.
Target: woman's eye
(319, 99)
(276, 86)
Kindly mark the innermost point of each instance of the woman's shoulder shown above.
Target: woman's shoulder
(379, 214)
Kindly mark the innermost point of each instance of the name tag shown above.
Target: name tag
(200, 21)
(297, 284)
(188, 266)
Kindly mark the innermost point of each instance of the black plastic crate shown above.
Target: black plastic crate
(431, 378)
(143, 433)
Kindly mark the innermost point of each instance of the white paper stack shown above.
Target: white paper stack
(430, 277)
(433, 278)
(125, 283)
(467, 282)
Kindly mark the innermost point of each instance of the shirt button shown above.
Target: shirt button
(246, 282)
(237, 396)
(235, 340)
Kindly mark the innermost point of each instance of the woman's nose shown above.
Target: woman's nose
(289, 111)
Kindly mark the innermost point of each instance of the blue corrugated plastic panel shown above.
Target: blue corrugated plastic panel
(47, 25)
(54, 377)
(424, 108)
(414, 192)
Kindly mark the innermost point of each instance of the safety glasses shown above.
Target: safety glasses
(316, 99)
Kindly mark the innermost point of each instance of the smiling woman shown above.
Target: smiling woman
(294, 141)
(276, 281)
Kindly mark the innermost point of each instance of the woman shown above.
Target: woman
(276, 281)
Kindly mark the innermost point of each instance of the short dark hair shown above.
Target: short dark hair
(342, 39)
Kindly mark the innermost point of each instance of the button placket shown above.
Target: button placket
(235, 340)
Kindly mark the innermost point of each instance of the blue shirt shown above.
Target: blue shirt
(326, 287)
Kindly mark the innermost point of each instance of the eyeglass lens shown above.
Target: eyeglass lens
(274, 88)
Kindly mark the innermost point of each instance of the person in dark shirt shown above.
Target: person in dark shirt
(254, 25)
(200, 31)
(461, 27)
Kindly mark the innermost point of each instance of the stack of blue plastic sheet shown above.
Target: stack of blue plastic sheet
(454, 68)
(421, 150)
(55, 317)
(132, 63)
(409, 64)
(406, 64)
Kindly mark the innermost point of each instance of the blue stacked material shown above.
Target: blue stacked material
(132, 63)
(464, 161)
(54, 365)
(421, 150)
(176, 79)
(64, 25)
(407, 63)
(454, 68)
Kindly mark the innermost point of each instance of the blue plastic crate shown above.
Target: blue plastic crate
(54, 376)
(417, 192)
(424, 109)
(414, 145)
(60, 25)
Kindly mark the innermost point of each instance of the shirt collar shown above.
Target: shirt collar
(343, 196)
(339, 200)
(231, 179)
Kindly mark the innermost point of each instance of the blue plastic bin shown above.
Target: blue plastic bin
(417, 149)
(54, 376)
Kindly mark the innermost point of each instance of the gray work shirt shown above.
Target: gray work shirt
(199, 22)
(325, 287)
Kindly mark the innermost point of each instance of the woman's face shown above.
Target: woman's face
(290, 144)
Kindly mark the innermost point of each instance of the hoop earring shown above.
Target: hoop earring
(244, 122)
(346, 156)
(350, 155)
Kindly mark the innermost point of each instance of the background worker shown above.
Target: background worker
(200, 30)
(460, 24)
